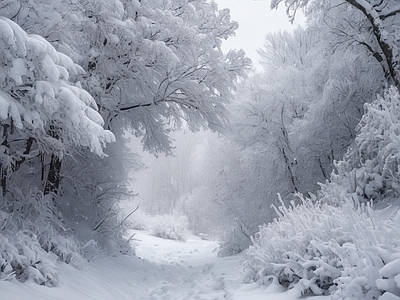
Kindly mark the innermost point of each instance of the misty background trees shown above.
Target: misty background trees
(86, 86)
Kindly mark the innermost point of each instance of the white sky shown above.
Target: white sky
(255, 19)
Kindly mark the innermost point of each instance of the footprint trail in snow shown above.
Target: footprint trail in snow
(191, 269)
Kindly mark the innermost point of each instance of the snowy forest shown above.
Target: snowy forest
(121, 115)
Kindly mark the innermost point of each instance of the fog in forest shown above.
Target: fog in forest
(130, 124)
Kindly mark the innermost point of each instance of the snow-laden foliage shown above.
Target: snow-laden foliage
(22, 258)
(42, 113)
(318, 249)
(285, 137)
(337, 243)
(370, 168)
(31, 241)
(370, 23)
(168, 226)
(149, 64)
(43, 116)
(37, 98)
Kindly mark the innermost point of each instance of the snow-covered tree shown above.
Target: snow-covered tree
(370, 23)
(44, 116)
(293, 121)
(369, 170)
(152, 64)
(42, 112)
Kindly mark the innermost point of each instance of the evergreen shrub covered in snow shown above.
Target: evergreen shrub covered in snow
(338, 243)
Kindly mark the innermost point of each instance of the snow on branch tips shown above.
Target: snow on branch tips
(380, 21)
(37, 98)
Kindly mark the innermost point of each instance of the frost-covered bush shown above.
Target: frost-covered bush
(31, 240)
(172, 227)
(317, 248)
(337, 242)
(169, 227)
(139, 221)
(23, 258)
(370, 168)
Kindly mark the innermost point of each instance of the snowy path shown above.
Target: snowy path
(165, 270)
(197, 273)
(193, 268)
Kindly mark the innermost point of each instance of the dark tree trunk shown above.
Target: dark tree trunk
(53, 176)
(28, 148)
(3, 181)
(3, 168)
(391, 71)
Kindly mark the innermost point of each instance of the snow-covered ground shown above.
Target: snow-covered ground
(163, 269)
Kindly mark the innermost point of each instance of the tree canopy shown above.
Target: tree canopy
(370, 23)
(78, 75)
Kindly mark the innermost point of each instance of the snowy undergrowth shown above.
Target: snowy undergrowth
(172, 227)
(23, 258)
(337, 243)
(31, 243)
(317, 248)
(370, 168)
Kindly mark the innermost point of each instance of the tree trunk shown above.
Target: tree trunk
(28, 148)
(322, 168)
(3, 181)
(53, 177)
(3, 168)
(291, 175)
(380, 34)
